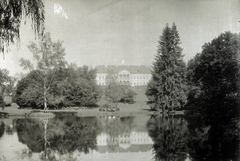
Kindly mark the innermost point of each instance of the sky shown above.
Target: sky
(106, 32)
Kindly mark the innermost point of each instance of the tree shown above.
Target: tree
(12, 13)
(76, 86)
(68, 87)
(112, 90)
(127, 94)
(115, 92)
(167, 89)
(4, 80)
(193, 85)
(6, 87)
(49, 57)
(217, 74)
(2, 104)
(28, 91)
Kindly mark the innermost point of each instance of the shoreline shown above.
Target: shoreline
(125, 110)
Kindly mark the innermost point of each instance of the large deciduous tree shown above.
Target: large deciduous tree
(49, 57)
(83, 90)
(28, 91)
(115, 92)
(167, 90)
(71, 86)
(217, 74)
(11, 15)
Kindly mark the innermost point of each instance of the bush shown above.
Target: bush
(127, 95)
(7, 101)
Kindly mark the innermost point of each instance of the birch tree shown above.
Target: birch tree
(48, 57)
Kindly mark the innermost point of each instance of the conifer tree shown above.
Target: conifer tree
(167, 90)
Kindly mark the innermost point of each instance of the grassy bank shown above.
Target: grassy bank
(138, 108)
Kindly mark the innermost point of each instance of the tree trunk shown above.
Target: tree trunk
(45, 99)
(45, 138)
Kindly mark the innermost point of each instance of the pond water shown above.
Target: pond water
(137, 137)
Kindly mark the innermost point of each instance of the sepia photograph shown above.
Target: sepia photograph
(119, 80)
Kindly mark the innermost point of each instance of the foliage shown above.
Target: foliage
(2, 104)
(177, 137)
(57, 85)
(31, 133)
(167, 89)
(63, 135)
(115, 128)
(49, 56)
(6, 83)
(216, 75)
(2, 128)
(69, 87)
(28, 91)
(12, 13)
(170, 136)
(84, 90)
(76, 134)
(127, 95)
(7, 100)
(114, 93)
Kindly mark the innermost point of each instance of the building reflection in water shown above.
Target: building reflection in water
(140, 137)
(136, 141)
(128, 137)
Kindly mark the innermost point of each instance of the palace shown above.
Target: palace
(128, 75)
(135, 141)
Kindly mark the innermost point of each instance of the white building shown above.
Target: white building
(130, 75)
(135, 141)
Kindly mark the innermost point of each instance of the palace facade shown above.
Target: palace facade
(125, 74)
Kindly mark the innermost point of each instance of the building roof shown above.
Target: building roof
(133, 69)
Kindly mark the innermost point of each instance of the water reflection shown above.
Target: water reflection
(177, 138)
(56, 138)
(1, 129)
(122, 134)
(67, 137)
(169, 135)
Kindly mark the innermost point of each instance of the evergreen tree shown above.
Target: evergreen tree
(167, 90)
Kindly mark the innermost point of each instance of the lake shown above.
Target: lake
(137, 137)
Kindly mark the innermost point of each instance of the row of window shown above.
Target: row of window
(133, 84)
(131, 77)
(140, 77)
(122, 141)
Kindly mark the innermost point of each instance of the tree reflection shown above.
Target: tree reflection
(76, 134)
(213, 137)
(1, 129)
(221, 132)
(115, 126)
(30, 132)
(169, 137)
(58, 138)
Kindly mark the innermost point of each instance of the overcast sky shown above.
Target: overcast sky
(98, 32)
